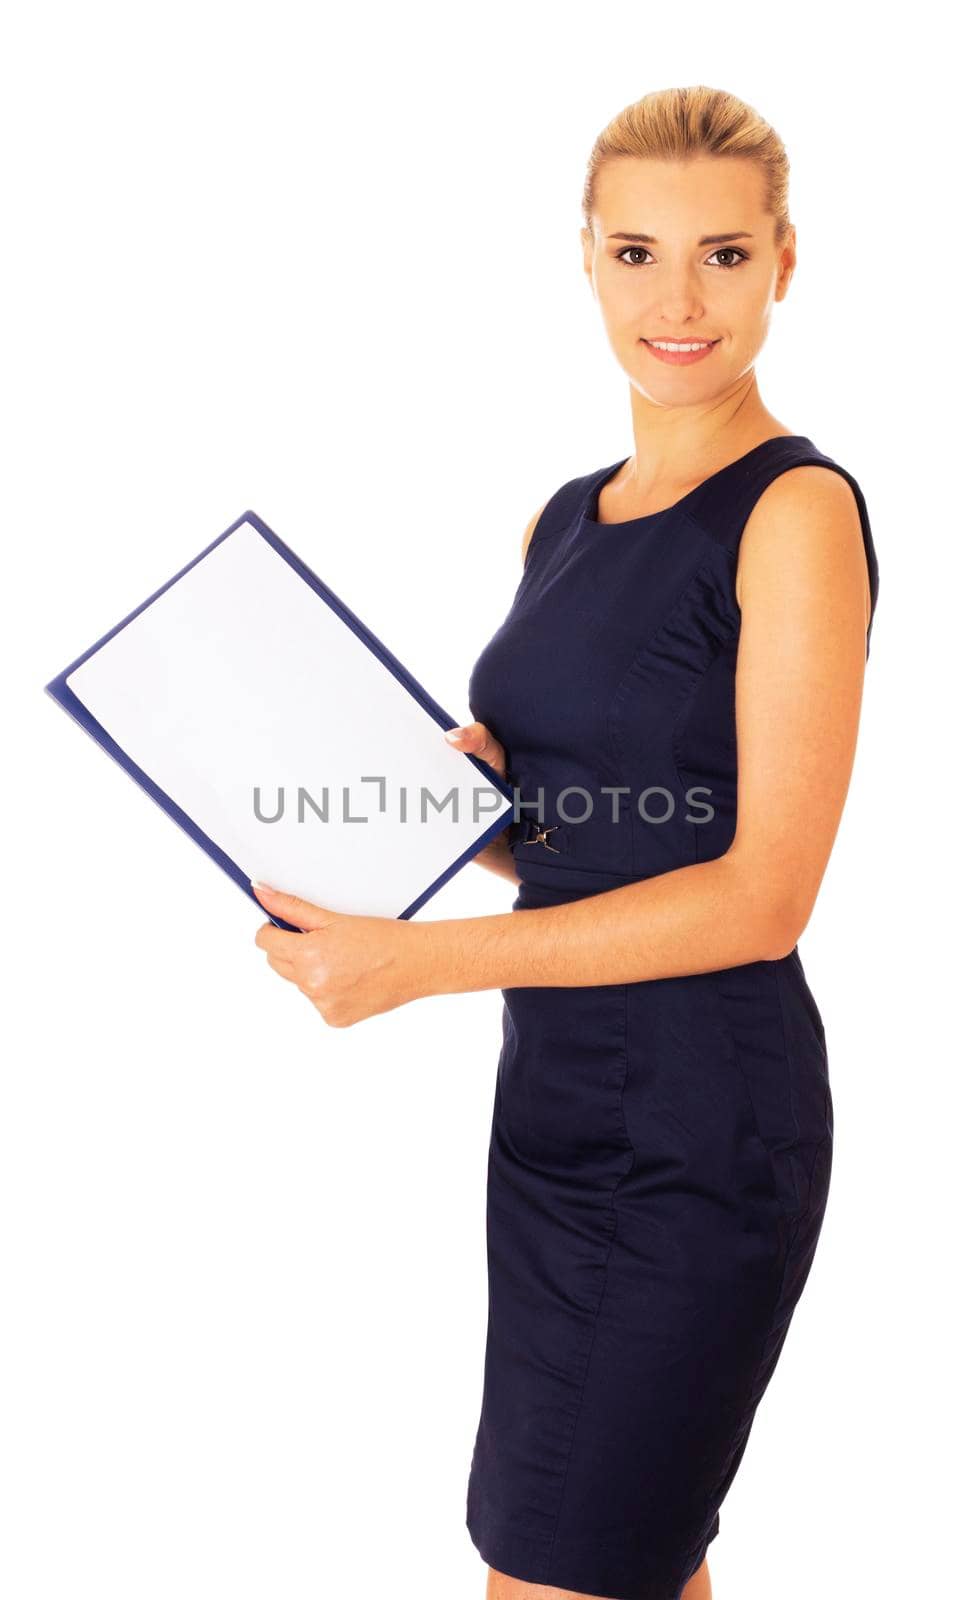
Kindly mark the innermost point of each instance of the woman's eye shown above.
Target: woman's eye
(725, 250)
(731, 250)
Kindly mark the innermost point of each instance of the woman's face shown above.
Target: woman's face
(670, 284)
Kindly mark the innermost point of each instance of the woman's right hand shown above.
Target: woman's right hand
(475, 739)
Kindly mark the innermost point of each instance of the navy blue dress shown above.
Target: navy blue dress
(660, 1151)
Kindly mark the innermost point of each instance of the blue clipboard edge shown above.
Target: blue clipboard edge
(59, 691)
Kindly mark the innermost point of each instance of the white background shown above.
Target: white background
(327, 266)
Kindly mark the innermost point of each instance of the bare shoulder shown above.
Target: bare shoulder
(531, 529)
(808, 518)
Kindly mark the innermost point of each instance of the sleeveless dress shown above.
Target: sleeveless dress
(660, 1151)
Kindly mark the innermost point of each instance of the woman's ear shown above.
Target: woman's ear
(787, 263)
(586, 238)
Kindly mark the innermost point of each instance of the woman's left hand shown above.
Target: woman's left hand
(350, 967)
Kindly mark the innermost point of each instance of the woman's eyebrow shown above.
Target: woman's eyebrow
(707, 238)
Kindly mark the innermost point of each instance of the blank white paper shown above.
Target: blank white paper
(241, 690)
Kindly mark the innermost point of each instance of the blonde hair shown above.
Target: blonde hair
(676, 124)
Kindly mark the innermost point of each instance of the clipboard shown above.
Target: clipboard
(243, 678)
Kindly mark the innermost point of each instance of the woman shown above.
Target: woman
(675, 694)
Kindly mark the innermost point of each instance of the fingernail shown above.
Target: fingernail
(264, 888)
(453, 733)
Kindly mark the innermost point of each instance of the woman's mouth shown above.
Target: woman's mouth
(680, 352)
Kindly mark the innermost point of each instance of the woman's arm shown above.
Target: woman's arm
(803, 589)
(498, 857)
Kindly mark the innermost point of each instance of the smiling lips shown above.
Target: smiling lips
(680, 353)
